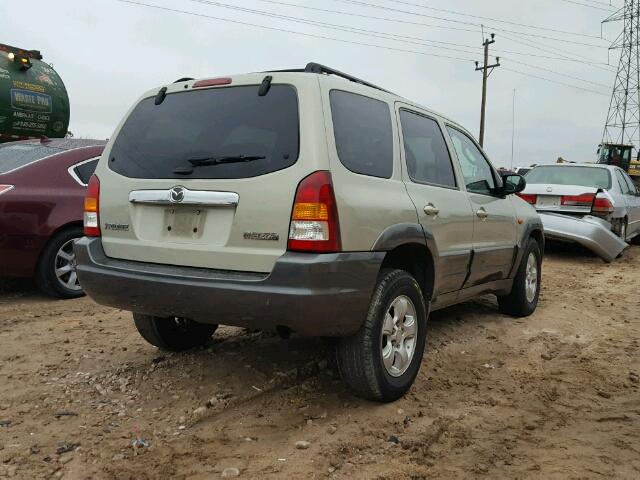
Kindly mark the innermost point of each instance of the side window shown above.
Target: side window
(631, 187)
(363, 133)
(478, 174)
(426, 153)
(621, 182)
(85, 170)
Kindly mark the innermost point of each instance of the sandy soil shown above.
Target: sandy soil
(555, 395)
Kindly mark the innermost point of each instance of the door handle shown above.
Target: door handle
(482, 213)
(431, 210)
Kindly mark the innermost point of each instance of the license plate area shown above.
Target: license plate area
(184, 222)
(548, 201)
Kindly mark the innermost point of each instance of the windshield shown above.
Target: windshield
(221, 122)
(582, 176)
(16, 155)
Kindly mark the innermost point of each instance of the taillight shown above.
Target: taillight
(92, 208)
(529, 198)
(602, 205)
(584, 200)
(5, 188)
(314, 219)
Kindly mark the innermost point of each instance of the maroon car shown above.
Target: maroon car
(42, 186)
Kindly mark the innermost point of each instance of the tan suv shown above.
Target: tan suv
(308, 202)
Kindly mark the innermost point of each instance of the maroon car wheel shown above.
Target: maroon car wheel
(56, 275)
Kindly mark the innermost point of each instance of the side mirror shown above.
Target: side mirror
(513, 183)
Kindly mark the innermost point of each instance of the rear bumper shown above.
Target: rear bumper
(311, 294)
(592, 232)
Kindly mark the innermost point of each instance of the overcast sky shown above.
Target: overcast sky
(108, 53)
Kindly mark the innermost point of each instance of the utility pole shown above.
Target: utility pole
(486, 71)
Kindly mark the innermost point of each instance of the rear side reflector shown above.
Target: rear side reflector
(212, 82)
(5, 188)
(314, 223)
(529, 198)
(584, 200)
(92, 208)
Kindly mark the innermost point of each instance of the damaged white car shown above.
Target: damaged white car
(595, 205)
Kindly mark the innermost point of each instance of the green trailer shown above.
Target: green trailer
(33, 99)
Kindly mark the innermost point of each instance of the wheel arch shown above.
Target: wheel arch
(66, 226)
(409, 247)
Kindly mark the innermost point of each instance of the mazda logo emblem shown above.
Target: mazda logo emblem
(176, 194)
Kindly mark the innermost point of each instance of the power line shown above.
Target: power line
(557, 73)
(384, 35)
(586, 5)
(562, 53)
(552, 81)
(311, 35)
(508, 22)
(491, 27)
(325, 37)
(422, 24)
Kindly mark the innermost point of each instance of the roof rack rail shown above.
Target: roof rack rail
(313, 67)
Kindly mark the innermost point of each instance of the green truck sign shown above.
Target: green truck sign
(33, 99)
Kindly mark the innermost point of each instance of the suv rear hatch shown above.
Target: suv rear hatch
(206, 177)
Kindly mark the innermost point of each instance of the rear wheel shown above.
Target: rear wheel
(523, 299)
(381, 361)
(56, 274)
(173, 333)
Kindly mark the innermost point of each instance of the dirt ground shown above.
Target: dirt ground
(555, 395)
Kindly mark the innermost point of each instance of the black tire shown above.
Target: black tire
(360, 356)
(516, 303)
(173, 333)
(45, 276)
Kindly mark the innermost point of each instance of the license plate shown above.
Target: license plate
(548, 201)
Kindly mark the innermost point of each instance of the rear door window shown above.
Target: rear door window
(220, 123)
(363, 133)
(631, 187)
(16, 155)
(426, 152)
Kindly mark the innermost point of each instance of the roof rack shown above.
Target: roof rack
(313, 67)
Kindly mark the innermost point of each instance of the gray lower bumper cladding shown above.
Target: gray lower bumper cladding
(592, 232)
(310, 294)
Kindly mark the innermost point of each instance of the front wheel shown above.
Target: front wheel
(523, 299)
(175, 334)
(381, 361)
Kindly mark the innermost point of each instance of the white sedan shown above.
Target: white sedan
(604, 191)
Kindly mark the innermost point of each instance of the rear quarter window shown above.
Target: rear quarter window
(363, 133)
(85, 169)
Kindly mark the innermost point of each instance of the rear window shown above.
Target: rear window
(213, 123)
(18, 155)
(583, 176)
(362, 129)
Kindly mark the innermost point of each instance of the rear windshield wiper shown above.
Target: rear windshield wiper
(201, 162)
